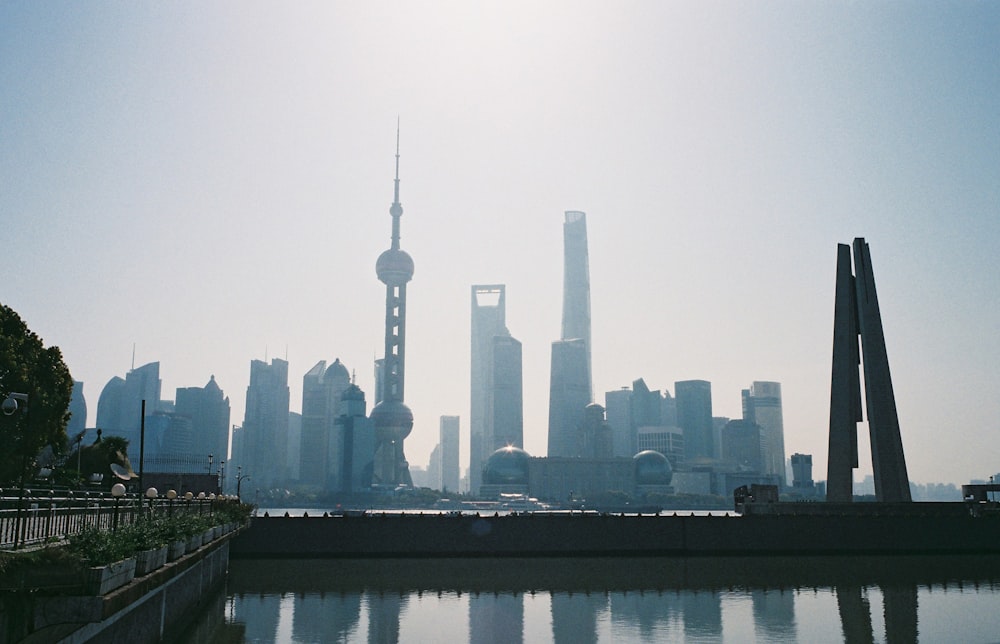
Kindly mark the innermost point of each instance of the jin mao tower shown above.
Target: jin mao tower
(392, 419)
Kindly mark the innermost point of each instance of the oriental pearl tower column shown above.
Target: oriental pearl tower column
(391, 418)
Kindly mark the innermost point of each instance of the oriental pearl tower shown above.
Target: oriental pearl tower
(391, 418)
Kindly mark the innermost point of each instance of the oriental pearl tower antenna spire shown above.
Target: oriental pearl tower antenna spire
(391, 418)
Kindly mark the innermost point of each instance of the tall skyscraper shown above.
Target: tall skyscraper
(856, 314)
(571, 380)
(322, 389)
(741, 445)
(449, 443)
(802, 471)
(618, 407)
(496, 413)
(630, 409)
(576, 284)
(208, 410)
(506, 414)
(353, 443)
(694, 416)
(392, 419)
(569, 395)
(119, 409)
(265, 425)
(762, 405)
(78, 412)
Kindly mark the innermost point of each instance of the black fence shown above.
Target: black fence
(52, 516)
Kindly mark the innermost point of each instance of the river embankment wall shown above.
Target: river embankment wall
(157, 607)
(581, 535)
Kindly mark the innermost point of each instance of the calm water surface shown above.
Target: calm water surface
(719, 599)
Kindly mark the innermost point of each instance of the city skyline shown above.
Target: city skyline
(211, 187)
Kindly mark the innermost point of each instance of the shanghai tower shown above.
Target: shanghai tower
(570, 384)
(391, 418)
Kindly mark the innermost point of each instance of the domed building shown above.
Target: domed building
(505, 472)
(653, 473)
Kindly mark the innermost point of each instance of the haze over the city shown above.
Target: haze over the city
(210, 182)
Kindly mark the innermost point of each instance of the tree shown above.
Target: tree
(27, 367)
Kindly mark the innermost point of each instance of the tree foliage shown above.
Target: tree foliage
(28, 367)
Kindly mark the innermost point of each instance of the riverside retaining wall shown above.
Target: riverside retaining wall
(527, 535)
(157, 607)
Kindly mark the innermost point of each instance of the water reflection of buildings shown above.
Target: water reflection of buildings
(259, 613)
(325, 617)
(650, 613)
(702, 614)
(647, 599)
(774, 615)
(384, 610)
(496, 617)
(574, 616)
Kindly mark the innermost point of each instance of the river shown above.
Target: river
(576, 601)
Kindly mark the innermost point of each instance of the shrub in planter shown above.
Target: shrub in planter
(96, 547)
(145, 535)
(176, 549)
(233, 511)
(146, 561)
(148, 542)
(108, 556)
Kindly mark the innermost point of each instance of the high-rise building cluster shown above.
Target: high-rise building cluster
(333, 445)
(175, 435)
(641, 439)
(648, 437)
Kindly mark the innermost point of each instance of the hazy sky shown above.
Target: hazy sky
(211, 182)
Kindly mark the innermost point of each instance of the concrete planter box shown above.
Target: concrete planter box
(194, 542)
(207, 536)
(149, 560)
(218, 531)
(101, 580)
(176, 549)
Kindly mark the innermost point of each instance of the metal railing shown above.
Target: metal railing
(48, 517)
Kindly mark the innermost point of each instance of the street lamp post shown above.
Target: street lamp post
(210, 463)
(222, 476)
(117, 491)
(10, 407)
(239, 479)
(79, 446)
(151, 494)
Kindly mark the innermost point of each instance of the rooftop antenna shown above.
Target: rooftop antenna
(133, 356)
(397, 208)
(265, 353)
